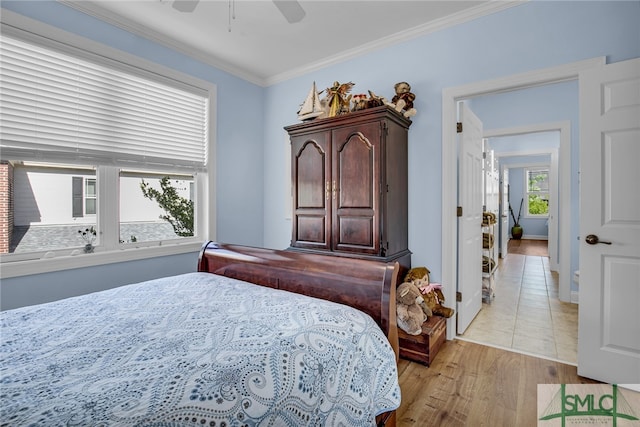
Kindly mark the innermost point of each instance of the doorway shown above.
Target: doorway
(524, 312)
(450, 155)
(548, 145)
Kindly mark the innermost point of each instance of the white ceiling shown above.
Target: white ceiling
(259, 44)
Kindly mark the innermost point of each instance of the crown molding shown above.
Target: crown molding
(116, 20)
(493, 6)
(467, 15)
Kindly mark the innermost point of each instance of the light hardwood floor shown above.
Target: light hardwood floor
(525, 314)
(470, 385)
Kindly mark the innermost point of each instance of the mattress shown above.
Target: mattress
(194, 349)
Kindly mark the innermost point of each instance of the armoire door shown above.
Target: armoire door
(311, 177)
(356, 182)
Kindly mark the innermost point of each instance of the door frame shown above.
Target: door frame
(449, 238)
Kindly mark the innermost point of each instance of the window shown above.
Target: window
(537, 181)
(80, 133)
(142, 216)
(84, 203)
(90, 196)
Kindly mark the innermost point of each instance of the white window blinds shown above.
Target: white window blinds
(55, 105)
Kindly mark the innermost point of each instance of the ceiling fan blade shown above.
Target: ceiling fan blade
(291, 10)
(185, 5)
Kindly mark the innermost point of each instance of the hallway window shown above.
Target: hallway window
(537, 199)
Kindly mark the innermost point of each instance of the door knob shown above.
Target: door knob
(592, 239)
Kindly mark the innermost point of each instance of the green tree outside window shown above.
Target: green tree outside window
(537, 191)
(179, 210)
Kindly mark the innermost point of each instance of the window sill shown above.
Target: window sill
(68, 262)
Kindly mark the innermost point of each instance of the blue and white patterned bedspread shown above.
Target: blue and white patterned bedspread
(195, 349)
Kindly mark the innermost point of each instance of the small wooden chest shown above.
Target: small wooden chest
(423, 348)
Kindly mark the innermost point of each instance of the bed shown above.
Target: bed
(314, 344)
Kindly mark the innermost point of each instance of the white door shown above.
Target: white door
(469, 224)
(609, 319)
(504, 214)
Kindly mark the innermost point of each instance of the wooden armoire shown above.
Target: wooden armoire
(349, 184)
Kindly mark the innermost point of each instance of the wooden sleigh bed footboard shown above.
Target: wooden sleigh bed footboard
(366, 285)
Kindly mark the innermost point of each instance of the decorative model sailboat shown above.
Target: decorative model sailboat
(311, 108)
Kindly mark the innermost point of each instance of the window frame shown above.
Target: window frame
(527, 192)
(15, 265)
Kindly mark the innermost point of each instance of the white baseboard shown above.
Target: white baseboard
(575, 297)
(534, 237)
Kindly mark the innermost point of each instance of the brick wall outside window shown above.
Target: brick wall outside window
(6, 206)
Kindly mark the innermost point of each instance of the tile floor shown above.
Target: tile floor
(526, 315)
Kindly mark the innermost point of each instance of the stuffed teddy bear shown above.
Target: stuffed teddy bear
(409, 314)
(431, 292)
(433, 297)
(403, 99)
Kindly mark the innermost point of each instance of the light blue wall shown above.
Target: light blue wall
(41, 288)
(252, 167)
(530, 36)
(503, 145)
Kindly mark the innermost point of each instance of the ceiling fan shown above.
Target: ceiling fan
(290, 9)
